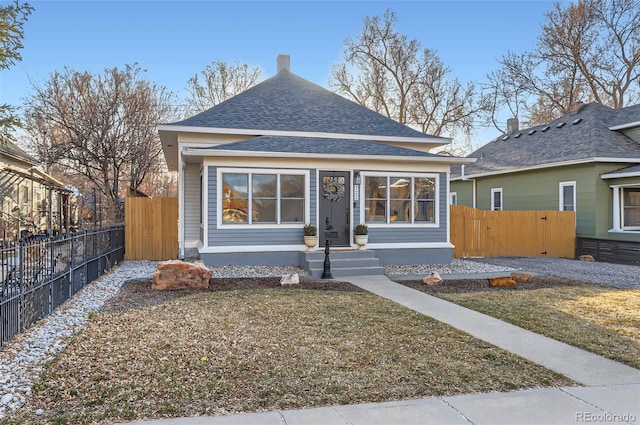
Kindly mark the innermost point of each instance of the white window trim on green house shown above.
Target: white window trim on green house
(562, 199)
(495, 191)
(453, 198)
(278, 172)
(388, 222)
(618, 209)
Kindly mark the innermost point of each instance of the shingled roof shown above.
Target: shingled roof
(287, 102)
(580, 135)
(319, 145)
(10, 149)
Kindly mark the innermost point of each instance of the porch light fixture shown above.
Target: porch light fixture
(356, 186)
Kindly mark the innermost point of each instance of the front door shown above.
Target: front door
(334, 197)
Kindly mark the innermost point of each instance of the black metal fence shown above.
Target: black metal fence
(38, 275)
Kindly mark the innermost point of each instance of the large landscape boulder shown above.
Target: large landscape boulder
(501, 282)
(176, 274)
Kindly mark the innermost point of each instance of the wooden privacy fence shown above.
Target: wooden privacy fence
(151, 228)
(482, 233)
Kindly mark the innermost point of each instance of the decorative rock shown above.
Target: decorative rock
(6, 399)
(39, 412)
(501, 281)
(520, 277)
(176, 274)
(586, 258)
(290, 279)
(434, 279)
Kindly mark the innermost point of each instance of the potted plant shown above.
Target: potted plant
(310, 236)
(361, 233)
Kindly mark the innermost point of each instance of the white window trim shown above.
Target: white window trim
(434, 176)
(621, 206)
(453, 196)
(278, 171)
(561, 186)
(493, 191)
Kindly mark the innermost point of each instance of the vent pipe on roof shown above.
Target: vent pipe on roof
(512, 125)
(284, 62)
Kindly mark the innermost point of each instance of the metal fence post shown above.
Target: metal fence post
(72, 264)
(21, 308)
(52, 267)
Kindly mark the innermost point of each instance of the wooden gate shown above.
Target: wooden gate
(151, 228)
(482, 233)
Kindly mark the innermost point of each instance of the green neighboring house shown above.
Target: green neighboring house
(587, 161)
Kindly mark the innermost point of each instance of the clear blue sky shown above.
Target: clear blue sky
(172, 40)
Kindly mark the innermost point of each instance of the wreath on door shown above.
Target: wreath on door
(333, 190)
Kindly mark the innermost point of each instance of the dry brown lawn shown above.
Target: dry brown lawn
(216, 353)
(603, 320)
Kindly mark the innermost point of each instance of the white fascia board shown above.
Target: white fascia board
(625, 126)
(427, 139)
(619, 175)
(257, 154)
(543, 166)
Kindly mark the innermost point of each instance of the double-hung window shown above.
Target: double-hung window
(496, 199)
(567, 196)
(263, 197)
(631, 208)
(402, 199)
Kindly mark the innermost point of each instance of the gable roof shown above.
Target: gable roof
(580, 136)
(8, 148)
(287, 102)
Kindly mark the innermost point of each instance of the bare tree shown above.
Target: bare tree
(12, 19)
(99, 127)
(588, 51)
(391, 74)
(217, 82)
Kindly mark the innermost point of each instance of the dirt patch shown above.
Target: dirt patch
(481, 285)
(137, 293)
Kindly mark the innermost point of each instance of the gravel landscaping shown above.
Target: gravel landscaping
(608, 274)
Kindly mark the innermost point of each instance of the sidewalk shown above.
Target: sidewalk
(611, 393)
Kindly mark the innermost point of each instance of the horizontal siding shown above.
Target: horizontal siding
(192, 202)
(248, 237)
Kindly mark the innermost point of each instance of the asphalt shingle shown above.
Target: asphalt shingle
(319, 145)
(574, 136)
(287, 102)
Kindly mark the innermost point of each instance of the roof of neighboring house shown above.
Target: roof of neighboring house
(580, 135)
(318, 145)
(11, 149)
(287, 102)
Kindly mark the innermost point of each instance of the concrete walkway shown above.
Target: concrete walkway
(611, 393)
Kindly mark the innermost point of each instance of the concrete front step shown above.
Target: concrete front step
(343, 263)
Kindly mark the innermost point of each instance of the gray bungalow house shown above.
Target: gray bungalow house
(587, 161)
(257, 167)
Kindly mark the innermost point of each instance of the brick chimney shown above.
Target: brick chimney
(576, 106)
(284, 62)
(512, 125)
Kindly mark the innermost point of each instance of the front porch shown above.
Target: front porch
(344, 261)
